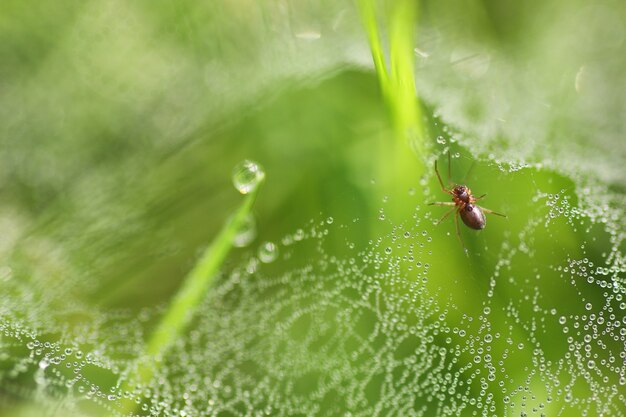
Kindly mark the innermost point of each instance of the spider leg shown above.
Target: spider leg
(441, 203)
(469, 172)
(458, 231)
(492, 212)
(445, 216)
(449, 169)
(444, 189)
(481, 197)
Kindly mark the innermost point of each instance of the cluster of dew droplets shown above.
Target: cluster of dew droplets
(247, 176)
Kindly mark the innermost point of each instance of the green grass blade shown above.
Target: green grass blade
(370, 23)
(182, 308)
(404, 100)
(397, 82)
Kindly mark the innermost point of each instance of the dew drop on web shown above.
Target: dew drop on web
(246, 233)
(268, 252)
(247, 175)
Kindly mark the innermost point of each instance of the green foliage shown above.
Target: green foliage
(120, 124)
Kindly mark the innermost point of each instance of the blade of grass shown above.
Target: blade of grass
(368, 16)
(182, 308)
(397, 82)
(404, 101)
(403, 160)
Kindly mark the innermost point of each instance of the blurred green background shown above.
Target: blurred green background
(120, 125)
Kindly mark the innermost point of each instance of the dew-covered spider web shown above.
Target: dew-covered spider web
(342, 296)
(385, 328)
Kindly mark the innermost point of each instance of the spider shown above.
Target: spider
(464, 203)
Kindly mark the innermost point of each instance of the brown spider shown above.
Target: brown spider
(464, 203)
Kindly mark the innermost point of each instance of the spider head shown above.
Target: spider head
(462, 193)
(460, 190)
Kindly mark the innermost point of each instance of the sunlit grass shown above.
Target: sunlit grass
(396, 78)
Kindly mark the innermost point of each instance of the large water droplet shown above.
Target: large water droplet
(247, 175)
(268, 252)
(246, 233)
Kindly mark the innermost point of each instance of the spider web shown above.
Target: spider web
(383, 329)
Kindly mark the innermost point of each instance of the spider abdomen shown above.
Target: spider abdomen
(473, 217)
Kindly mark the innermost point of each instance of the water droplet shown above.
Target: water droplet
(246, 233)
(247, 175)
(44, 363)
(330, 220)
(268, 252)
(298, 235)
